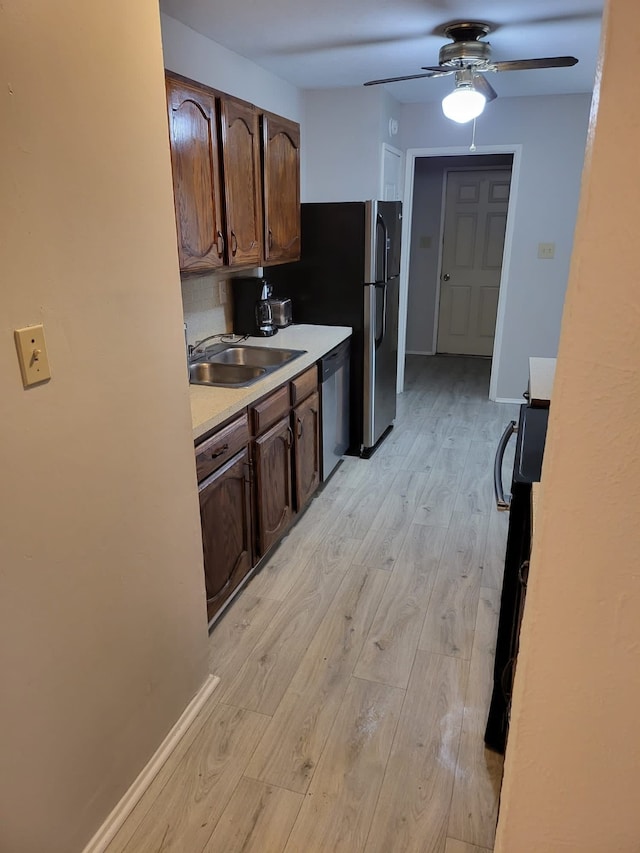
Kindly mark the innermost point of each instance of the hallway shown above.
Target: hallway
(356, 667)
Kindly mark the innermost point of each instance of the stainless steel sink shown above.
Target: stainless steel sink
(231, 375)
(254, 356)
(237, 366)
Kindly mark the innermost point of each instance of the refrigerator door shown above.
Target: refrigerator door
(380, 358)
(391, 213)
(383, 227)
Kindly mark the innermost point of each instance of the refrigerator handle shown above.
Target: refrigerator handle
(383, 331)
(385, 236)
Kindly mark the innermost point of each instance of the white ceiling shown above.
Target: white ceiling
(318, 44)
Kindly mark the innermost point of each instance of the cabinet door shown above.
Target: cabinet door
(242, 188)
(306, 432)
(274, 502)
(281, 145)
(225, 514)
(193, 140)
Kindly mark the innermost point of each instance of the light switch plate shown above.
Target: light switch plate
(546, 251)
(222, 292)
(32, 355)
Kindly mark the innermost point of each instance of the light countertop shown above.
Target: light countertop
(541, 375)
(212, 406)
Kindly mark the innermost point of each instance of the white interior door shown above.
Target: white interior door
(475, 219)
(391, 173)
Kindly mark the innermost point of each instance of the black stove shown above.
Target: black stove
(531, 435)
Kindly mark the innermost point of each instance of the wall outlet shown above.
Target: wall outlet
(546, 251)
(222, 292)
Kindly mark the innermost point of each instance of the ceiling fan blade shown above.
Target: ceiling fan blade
(482, 85)
(440, 70)
(526, 64)
(397, 79)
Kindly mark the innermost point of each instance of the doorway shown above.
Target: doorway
(420, 291)
(476, 202)
(391, 173)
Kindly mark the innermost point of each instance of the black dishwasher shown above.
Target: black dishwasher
(334, 386)
(531, 432)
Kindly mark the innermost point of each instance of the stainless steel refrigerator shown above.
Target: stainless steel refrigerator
(348, 275)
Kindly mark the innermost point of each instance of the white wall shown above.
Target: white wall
(389, 109)
(552, 132)
(572, 772)
(342, 134)
(193, 55)
(103, 635)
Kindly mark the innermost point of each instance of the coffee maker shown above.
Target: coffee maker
(252, 313)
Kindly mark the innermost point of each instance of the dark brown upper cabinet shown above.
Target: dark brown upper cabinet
(240, 125)
(193, 135)
(236, 191)
(281, 176)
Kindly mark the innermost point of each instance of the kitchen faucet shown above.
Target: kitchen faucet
(221, 337)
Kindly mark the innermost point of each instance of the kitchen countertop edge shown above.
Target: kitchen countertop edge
(212, 406)
(541, 376)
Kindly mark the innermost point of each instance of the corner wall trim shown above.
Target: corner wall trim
(123, 809)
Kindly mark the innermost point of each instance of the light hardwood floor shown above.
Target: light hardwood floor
(356, 667)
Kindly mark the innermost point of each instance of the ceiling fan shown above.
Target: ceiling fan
(469, 58)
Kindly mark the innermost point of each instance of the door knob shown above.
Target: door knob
(446, 277)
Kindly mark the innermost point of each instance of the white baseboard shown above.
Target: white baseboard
(123, 809)
(517, 400)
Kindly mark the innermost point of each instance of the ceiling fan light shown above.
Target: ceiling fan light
(463, 104)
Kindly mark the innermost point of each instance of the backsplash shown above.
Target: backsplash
(203, 311)
(204, 314)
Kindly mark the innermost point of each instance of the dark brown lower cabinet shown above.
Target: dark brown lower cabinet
(227, 529)
(255, 474)
(274, 498)
(306, 430)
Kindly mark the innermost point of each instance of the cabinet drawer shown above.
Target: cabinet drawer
(213, 452)
(269, 410)
(304, 385)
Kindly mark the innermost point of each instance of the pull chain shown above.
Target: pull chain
(472, 147)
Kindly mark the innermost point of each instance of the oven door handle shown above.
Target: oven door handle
(503, 502)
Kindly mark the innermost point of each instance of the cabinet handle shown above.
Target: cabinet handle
(220, 244)
(289, 438)
(220, 452)
(270, 238)
(234, 243)
(299, 427)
